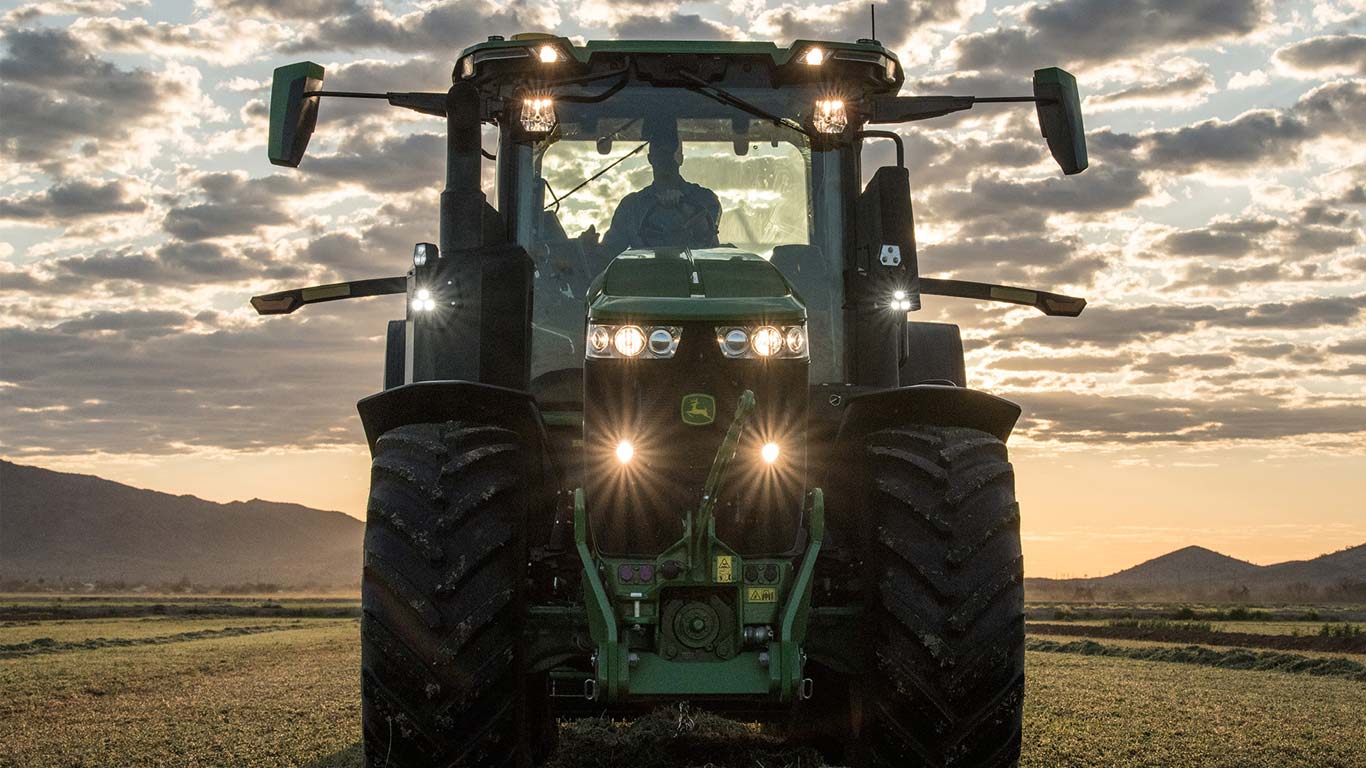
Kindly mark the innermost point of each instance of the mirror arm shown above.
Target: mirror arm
(426, 103)
(906, 109)
(285, 302)
(1048, 303)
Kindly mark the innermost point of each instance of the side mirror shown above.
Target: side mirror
(292, 116)
(1060, 118)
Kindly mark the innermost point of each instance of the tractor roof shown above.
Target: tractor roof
(867, 52)
(705, 284)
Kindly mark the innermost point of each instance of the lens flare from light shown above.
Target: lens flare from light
(538, 115)
(769, 452)
(625, 451)
(767, 341)
(830, 116)
(814, 56)
(629, 341)
(549, 54)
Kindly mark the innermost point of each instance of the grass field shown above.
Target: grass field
(271, 691)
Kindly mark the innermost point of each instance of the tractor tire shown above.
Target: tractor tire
(442, 597)
(947, 649)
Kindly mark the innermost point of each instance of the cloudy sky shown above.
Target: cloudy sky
(1211, 393)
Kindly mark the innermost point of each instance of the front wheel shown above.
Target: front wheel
(947, 603)
(441, 596)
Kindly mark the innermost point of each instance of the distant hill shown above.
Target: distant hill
(1190, 566)
(58, 526)
(1196, 571)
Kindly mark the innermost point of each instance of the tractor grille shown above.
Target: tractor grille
(638, 508)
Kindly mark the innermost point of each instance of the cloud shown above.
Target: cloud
(1260, 136)
(169, 379)
(233, 205)
(137, 272)
(1241, 81)
(55, 93)
(1097, 191)
(897, 20)
(72, 199)
(441, 26)
(1098, 31)
(1076, 416)
(1178, 92)
(1111, 326)
(29, 12)
(404, 163)
(294, 10)
(679, 26)
(1325, 55)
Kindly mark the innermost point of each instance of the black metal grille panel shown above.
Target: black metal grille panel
(639, 508)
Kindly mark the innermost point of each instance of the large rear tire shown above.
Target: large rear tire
(947, 602)
(442, 595)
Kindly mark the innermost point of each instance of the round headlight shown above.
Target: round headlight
(662, 342)
(796, 340)
(598, 338)
(769, 452)
(767, 341)
(734, 342)
(629, 341)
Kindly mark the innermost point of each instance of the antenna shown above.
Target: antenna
(872, 14)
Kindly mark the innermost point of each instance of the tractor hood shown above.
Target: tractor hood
(706, 284)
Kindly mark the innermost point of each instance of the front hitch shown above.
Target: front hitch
(700, 526)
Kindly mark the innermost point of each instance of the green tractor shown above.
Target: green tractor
(657, 426)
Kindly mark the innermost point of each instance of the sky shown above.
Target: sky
(1211, 393)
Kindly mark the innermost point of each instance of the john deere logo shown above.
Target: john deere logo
(699, 409)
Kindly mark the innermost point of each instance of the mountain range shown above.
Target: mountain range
(1197, 570)
(62, 527)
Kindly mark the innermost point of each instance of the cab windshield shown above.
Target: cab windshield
(652, 168)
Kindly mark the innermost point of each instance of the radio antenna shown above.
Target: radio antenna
(872, 14)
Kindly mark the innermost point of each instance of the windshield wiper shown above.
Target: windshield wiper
(731, 100)
(556, 205)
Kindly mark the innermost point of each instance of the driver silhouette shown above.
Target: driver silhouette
(670, 211)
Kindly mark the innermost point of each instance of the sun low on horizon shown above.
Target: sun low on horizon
(1211, 394)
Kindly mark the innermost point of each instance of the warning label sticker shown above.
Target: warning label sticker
(761, 595)
(725, 569)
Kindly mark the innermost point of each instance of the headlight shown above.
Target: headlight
(548, 54)
(632, 341)
(538, 115)
(599, 338)
(663, 342)
(423, 301)
(628, 341)
(765, 341)
(423, 253)
(814, 56)
(734, 342)
(769, 452)
(829, 116)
